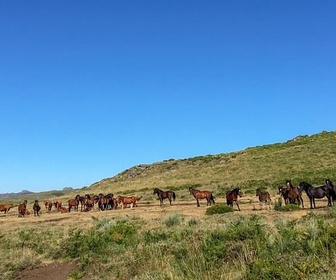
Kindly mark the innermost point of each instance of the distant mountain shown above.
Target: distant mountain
(23, 192)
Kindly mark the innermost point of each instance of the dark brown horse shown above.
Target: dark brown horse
(22, 209)
(36, 208)
(283, 191)
(201, 195)
(264, 197)
(232, 196)
(294, 193)
(170, 195)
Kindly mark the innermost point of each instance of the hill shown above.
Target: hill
(310, 158)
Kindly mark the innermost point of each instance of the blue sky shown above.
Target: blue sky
(91, 88)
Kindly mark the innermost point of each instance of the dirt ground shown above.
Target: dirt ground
(52, 271)
(148, 211)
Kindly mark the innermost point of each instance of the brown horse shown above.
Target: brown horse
(48, 205)
(128, 200)
(170, 195)
(6, 207)
(232, 196)
(22, 209)
(73, 203)
(264, 197)
(36, 208)
(57, 203)
(201, 195)
(294, 193)
(88, 203)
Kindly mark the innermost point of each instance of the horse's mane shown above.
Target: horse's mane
(305, 184)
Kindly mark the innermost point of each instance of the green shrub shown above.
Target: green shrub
(286, 208)
(219, 209)
(151, 236)
(173, 220)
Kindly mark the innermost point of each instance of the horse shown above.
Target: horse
(6, 207)
(73, 203)
(36, 208)
(110, 202)
(332, 189)
(201, 195)
(284, 192)
(264, 197)
(57, 203)
(232, 196)
(128, 200)
(170, 195)
(316, 192)
(48, 205)
(81, 201)
(294, 193)
(22, 209)
(88, 203)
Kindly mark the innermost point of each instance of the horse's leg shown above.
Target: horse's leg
(311, 203)
(198, 204)
(329, 200)
(237, 205)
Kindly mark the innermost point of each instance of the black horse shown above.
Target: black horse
(316, 192)
(232, 196)
(331, 188)
(165, 194)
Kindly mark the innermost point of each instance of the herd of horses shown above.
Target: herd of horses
(289, 193)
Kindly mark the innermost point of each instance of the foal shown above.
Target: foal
(264, 197)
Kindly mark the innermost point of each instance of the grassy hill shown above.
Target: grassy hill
(310, 158)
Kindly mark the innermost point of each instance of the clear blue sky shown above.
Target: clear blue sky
(91, 88)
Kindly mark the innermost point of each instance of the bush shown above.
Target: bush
(219, 209)
(173, 220)
(286, 208)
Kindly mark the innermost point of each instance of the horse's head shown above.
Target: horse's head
(289, 184)
(258, 192)
(155, 191)
(191, 189)
(240, 193)
(329, 183)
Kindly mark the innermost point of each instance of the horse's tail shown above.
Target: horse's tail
(174, 195)
(212, 198)
(138, 197)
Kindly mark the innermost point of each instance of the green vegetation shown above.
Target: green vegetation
(241, 247)
(218, 209)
